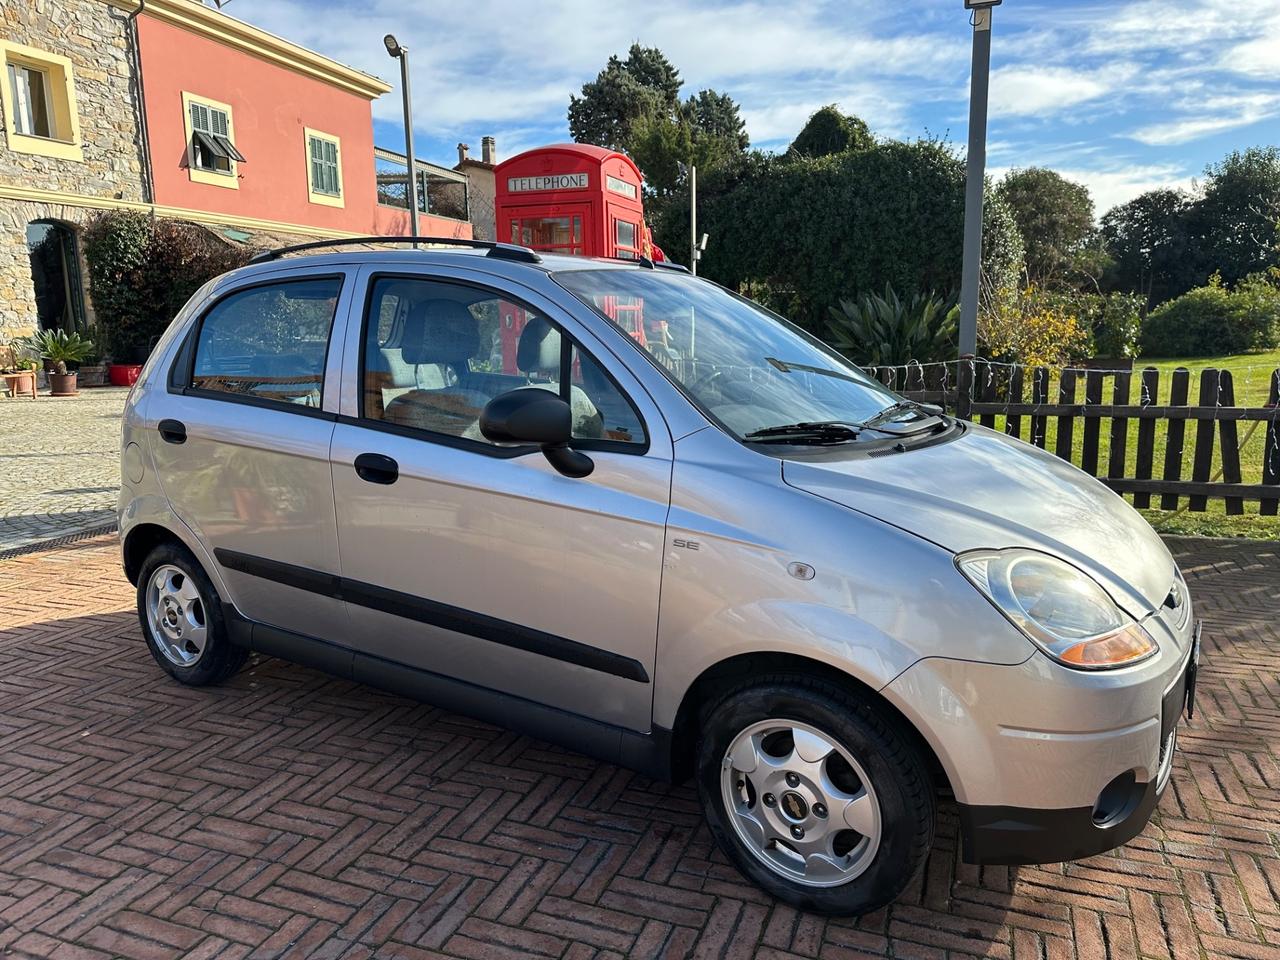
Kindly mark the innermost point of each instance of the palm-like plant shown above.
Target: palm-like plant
(889, 331)
(59, 347)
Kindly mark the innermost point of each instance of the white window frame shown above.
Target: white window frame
(58, 82)
(230, 177)
(315, 192)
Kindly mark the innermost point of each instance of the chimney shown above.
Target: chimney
(489, 150)
(462, 152)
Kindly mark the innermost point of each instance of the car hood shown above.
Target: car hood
(984, 489)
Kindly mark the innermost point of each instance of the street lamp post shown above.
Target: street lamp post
(401, 53)
(971, 271)
(693, 219)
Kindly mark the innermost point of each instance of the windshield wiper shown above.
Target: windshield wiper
(930, 417)
(824, 432)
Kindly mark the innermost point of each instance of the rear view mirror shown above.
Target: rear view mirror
(534, 415)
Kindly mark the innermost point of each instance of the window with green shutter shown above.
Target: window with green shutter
(325, 176)
(211, 146)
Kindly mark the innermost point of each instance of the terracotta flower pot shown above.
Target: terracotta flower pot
(62, 384)
(21, 384)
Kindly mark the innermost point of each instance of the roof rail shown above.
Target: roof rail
(504, 251)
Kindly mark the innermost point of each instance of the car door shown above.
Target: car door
(242, 448)
(479, 563)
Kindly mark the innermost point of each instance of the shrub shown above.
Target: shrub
(141, 272)
(1033, 328)
(1113, 320)
(888, 331)
(1212, 320)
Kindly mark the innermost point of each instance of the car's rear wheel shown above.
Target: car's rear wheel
(181, 616)
(816, 797)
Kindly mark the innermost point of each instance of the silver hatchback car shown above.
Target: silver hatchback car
(617, 507)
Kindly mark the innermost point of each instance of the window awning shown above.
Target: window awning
(216, 146)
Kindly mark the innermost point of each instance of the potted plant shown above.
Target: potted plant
(58, 348)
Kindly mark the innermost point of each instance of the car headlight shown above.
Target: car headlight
(1061, 609)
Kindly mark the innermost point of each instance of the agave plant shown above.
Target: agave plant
(886, 330)
(59, 347)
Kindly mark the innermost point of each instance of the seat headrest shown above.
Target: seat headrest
(539, 348)
(440, 331)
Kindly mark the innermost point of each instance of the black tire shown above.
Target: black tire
(220, 658)
(894, 766)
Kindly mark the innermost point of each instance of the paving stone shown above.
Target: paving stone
(59, 465)
(139, 818)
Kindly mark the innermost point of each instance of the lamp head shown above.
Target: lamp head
(981, 4)
(397, 51)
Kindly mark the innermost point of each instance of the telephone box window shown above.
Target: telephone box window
(625, 235)
(553, 234)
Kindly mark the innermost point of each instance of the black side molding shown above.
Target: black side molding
(648, 753)
(434, 613)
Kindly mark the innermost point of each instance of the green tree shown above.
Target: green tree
(830, 131)
(1236, 218)
(1150, 246)
(634, 105)
(715, 116)
(1055, 217)
(624, 93)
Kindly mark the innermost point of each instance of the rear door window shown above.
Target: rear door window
(268, 342)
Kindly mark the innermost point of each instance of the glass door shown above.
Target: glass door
(548, 232)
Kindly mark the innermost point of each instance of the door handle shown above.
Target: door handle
(173, 431)
(375, 468)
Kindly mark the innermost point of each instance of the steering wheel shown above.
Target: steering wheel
(705, 381)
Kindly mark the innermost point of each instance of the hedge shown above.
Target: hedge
(803, 233)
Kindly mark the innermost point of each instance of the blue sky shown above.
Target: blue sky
(1123, 96)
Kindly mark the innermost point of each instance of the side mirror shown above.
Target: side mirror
(534, 415)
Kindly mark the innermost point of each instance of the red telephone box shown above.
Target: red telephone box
(573, 198)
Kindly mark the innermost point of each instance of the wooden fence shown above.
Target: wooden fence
(1210, 433)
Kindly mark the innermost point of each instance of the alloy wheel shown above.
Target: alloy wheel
(801, 803)
(176, 615)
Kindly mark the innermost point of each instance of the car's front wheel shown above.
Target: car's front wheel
(181, 616)
(816, 797)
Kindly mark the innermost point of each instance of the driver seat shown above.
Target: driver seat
(443, 333)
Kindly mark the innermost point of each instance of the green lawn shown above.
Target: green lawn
(1251, 376)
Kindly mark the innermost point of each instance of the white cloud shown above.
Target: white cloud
(1026, 90)
(1258, 56)
(488, 62)
(1210, 115)
(1110, 188)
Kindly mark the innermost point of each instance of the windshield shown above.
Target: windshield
(749, 369)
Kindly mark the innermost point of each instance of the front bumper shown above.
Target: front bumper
(1047, 763)
(1020, 835)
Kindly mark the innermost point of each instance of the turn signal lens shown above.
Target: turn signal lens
(1114, 650)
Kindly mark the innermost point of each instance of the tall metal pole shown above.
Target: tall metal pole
(971, 271)
(408, 142)
(693, 219)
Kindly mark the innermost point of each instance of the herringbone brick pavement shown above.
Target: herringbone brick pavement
(290, 814)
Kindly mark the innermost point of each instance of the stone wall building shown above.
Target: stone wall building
(71, 146)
